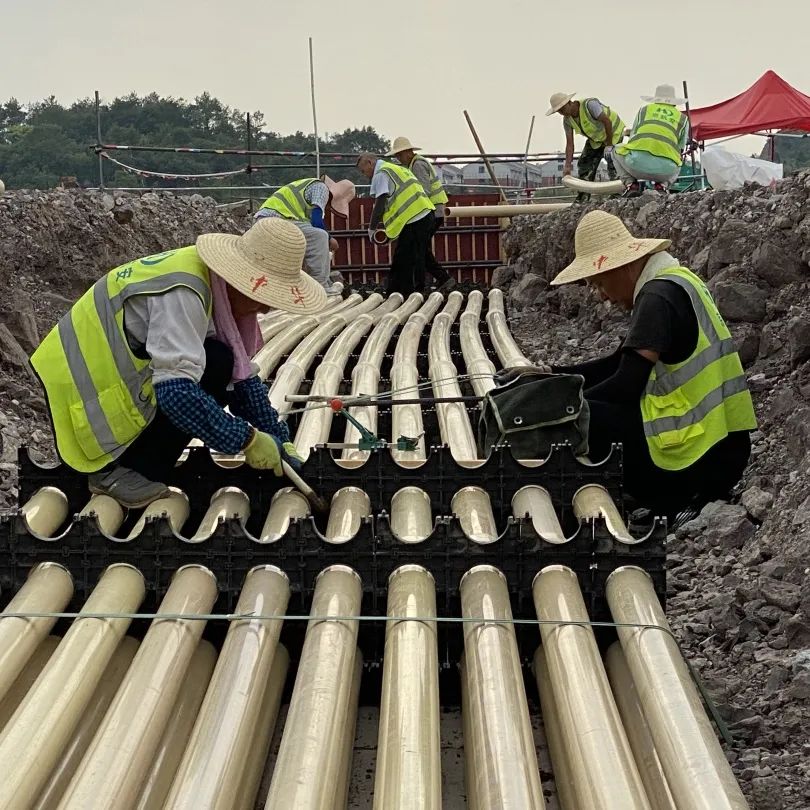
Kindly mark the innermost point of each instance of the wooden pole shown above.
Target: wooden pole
(484, 157)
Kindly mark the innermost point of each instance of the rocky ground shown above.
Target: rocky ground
(739, 590)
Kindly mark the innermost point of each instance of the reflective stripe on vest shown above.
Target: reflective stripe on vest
(100, 395)
(406, 201)
(594, 129)
(658, 132)
(689, 407)
(435, 189)
(289, 200)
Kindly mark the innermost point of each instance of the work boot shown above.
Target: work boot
(660, 187)
(129, 488)
(446, 286)
(633, 190)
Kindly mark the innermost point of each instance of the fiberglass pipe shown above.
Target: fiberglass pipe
(348, 508)
(411, 519)
(473, 508)
(213, 764)
(34, 738)
(118, 760)
(174, 506)
(226, 502)
(499, 752)
(480, 368)
(287, 504)
(603, 770)
(593, 187)
(507, 350)
(349, 733)
(48, 589)
(593, 501)
(534, 501)
(697, 772)
(504, 210)
(638, 731)
(311, 753)
(408, 774)
(108, 512)
(45, 511)
(23, 682)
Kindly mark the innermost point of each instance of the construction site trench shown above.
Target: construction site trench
(489, 723)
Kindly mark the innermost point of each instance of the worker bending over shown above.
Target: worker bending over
(150, 355)
(305, 203)
(657, 141)
(425, 173)
(406, 214)
(600, 125)
(674, 393)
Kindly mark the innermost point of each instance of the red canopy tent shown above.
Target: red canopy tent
(769, 104)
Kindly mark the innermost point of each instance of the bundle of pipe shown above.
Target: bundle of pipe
(505, 347)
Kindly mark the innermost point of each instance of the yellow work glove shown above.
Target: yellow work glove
(291, 456)
(262, 453)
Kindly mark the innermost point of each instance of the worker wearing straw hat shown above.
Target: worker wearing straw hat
(674, 393)
(149, 356)
(657, 140)
(600, 125)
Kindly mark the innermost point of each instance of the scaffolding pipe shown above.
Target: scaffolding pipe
(411, 519)
(592, 502)
(499, 753)
(408, 773)
(287, 505)
(506, 210)
(696, 769)
(310, 756)
(34, 738)
(226, 502)
(45, 511)
(213, 764)
(174, 507)
(603, 770)
(505, 347)
(350, 505)
(473, 508)
(23, 682)
(534, 502)
(109, 514)
(480, 368)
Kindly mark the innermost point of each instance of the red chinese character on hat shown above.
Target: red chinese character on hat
(635, 246)
(298, 296)
(261, 281)
(597, 263)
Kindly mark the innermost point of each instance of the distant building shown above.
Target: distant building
(516, 175)
(450, 175)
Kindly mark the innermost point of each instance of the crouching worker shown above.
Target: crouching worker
(674, 394)
(151, 354)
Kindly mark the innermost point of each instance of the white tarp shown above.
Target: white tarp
(727, 170)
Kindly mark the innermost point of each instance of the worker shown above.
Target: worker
(674, 393)
(405, 213)
(657, 141)
(600, 125)
(150, 355)
(425, 173)
(305, 203)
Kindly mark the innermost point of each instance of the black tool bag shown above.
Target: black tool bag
(531, 410)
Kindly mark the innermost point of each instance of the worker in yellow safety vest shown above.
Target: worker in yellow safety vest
(151, 354)
(305, 203)
(405, 213)
(600, 125)
(674, 394)
(655, 149)
(426, 174)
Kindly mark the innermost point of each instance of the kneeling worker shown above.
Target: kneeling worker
(151, 354)
(674, 394)
(304, 203)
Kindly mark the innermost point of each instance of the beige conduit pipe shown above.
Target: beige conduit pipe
(174, 506)
(48, 589)
(592, 187)
(366, 374)
(473, 508)
(349, 506)
(500, 757)
(45, 511)
(277, 321)
(34, 738)
(108, 512)
(462, 211)
(534, 501)
(593, 501)
(638, 732)
(474, 801)
(213, 764)
(696, 769)
(411, 518)
(350, 731)
(118, 760)
(480, 368)
(287, 504)
(408, 775)
(226, 502)
(602, 766)
(90, 720)
(23, 682)
(310, 756)
(507, 350)
(173, 743)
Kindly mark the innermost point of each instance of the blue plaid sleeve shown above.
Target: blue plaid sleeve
(195, 412)
(250, 401)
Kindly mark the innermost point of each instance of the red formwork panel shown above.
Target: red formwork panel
(469, 247)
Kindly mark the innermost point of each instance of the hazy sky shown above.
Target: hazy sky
(407, 67)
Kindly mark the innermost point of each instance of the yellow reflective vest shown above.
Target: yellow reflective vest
(100, 395)
(592, 128)
(689, 407)
(435, 192)
(407, 199)
(659, 131)
(289, 200)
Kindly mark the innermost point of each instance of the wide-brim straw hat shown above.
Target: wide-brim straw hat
(265, 264)
(401, 144)
(665, 94)
(343, 192)
(602, 243)
(558, 101)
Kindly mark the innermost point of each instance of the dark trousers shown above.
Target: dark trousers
(440, 275)
(407, 273)
(588, 165)
(666, 492)
(155, 452)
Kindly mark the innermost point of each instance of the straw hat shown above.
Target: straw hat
(401, 144)
(343, 192)
(558, 101)
(265, 265)
(664, 94)
(602, 243)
